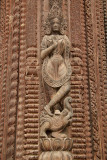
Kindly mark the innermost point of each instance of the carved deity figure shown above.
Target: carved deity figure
(57, 113)
(56, 68)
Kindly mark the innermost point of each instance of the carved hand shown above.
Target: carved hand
(48, 50)
(61, 46)
(55, 44)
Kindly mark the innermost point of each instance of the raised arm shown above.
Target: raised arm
(47, 51)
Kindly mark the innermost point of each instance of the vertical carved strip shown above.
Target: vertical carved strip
(21, 92)
(102, 72)
(91, 52)
(105, 74)
(79, 92)
(14, 85)
(105, 19)
(5, 77)
(31, 120)
(87, 127)
(42, 98)
(31, 117)
(66, 14)
(2, 28)
(77, 128)
(0, 71)
(5, 39)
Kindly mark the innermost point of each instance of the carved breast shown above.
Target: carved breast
(56, 68)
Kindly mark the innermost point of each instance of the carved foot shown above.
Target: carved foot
(47, 109)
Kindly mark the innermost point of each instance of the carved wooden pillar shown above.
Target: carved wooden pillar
(41, 42)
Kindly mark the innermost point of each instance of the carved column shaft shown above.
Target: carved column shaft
(34, 89)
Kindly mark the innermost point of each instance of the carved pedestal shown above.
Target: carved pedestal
(56, 148)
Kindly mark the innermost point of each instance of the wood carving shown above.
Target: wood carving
(47, 110)
(56, 73)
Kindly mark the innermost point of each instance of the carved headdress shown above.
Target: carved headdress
(55, 12)
(52, 2)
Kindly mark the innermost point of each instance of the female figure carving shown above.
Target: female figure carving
(56, 72)
(56, 69)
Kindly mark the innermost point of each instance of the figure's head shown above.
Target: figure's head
(55, 25)
(55, 21)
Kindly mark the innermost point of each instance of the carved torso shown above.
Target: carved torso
(56, 68)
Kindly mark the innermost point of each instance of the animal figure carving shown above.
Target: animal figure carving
(56, 124)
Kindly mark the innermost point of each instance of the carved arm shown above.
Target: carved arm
(47, 51)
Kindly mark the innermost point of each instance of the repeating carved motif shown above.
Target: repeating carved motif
(92, 79)
(105, 73)
(102, 73)
(105, 20)
(31, 106)
(11, 133)
(85, 93)
(82, 147)
(96, 46)
(2, 34)
(5, 76)
(21, 88)
(31, 117)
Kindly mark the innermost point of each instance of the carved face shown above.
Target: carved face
(55, 25)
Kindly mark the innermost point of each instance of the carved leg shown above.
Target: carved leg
(58, 96)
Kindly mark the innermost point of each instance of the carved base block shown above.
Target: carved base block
(56, 144)
(56, 155)
(56, 148)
